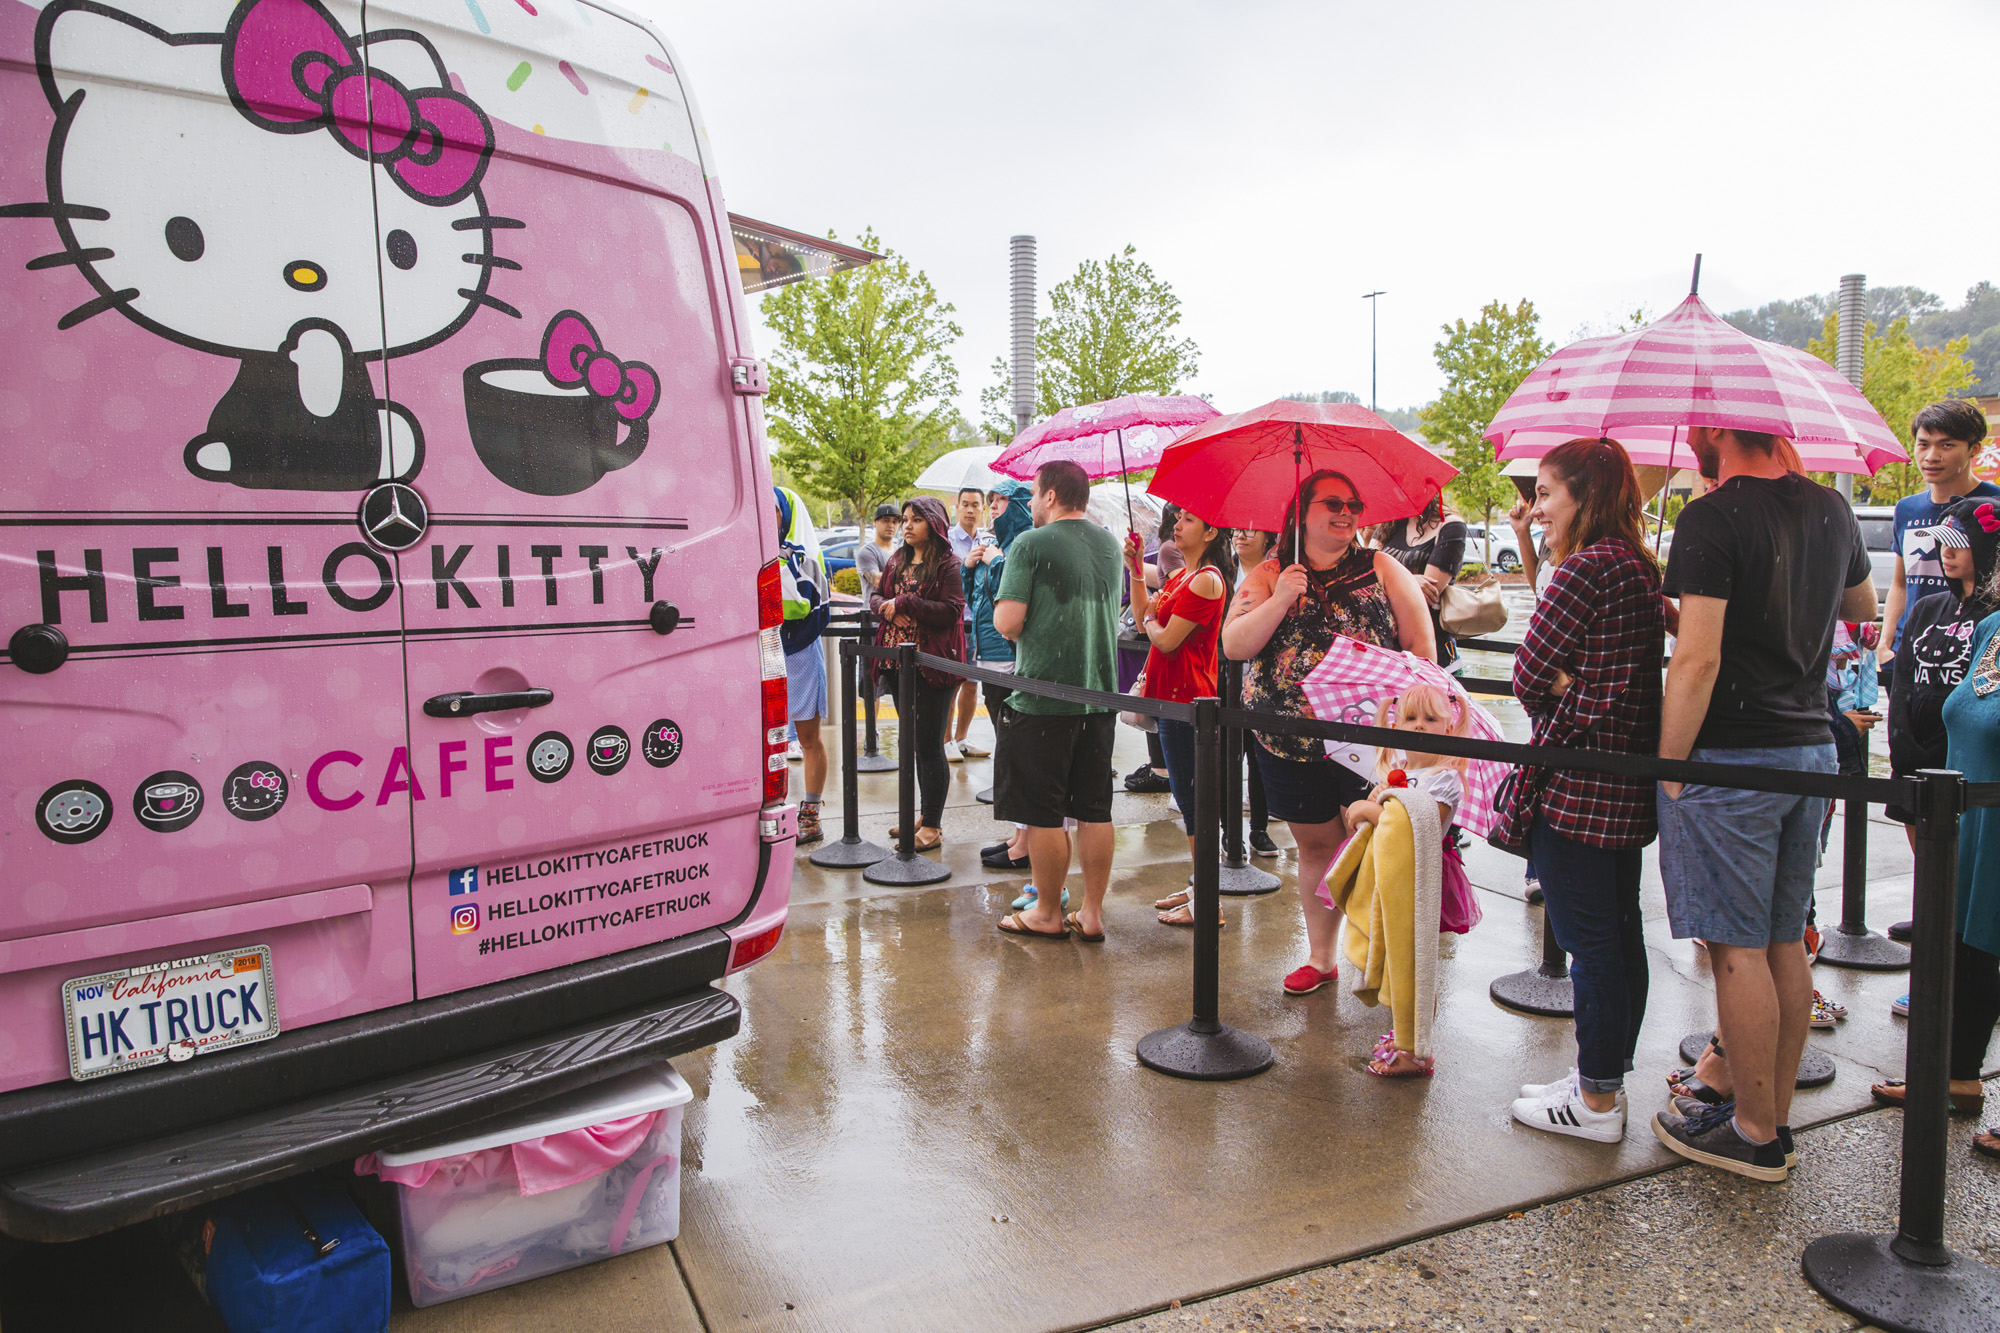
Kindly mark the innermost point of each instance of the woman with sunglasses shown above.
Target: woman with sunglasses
(1282, 623)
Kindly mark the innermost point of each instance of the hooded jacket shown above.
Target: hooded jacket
(982, 581)
(1935, 651)
(936, 602)
(803, 581)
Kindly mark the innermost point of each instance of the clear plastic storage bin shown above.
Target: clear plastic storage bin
(564, 1183)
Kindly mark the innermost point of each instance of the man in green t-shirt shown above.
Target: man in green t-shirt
(1058, 602)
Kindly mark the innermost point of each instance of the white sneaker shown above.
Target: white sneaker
(793, 753)
(1540, 1090)
(1563, 1112)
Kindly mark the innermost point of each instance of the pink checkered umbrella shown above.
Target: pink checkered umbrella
(1645, 388)
(1354, 680)
(1109, 439)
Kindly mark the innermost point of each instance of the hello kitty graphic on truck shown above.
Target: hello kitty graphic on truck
(272, 271)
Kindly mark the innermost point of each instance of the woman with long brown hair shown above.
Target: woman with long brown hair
(1588, 673)
(921, 600)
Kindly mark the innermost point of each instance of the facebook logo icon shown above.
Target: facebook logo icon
(465, 881)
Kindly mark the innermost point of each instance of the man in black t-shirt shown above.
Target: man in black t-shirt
(1763, 564)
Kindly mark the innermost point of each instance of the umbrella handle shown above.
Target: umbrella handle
(1123, 476)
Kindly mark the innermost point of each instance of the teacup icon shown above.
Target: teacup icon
(171, 801)
(609, 749)
(552, 424)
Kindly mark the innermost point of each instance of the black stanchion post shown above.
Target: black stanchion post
(1205, 1047)
(905, 866)
(1544, 989)
(1236, 876)
(870, 759)
(1913, 1280)
(850, 853)
(1851, 943)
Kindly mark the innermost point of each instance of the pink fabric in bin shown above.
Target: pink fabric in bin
(540, 1165)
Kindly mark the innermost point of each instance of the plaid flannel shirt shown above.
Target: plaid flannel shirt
(1602, 621)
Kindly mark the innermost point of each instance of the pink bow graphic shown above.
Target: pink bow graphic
(269, 781)
(573, 354)
(290, 68)
(1988, 519)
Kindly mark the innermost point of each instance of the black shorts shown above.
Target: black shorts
(1306, 791)
(1049, 767)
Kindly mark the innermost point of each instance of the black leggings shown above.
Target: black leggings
(1975, 1008)
(926, 731)
(1260, 818)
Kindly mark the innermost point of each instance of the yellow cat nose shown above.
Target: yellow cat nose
(303, 275)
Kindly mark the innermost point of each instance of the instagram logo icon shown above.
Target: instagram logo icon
(465, 919)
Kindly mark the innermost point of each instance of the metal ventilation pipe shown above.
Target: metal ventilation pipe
(1022, 286)
(1847, 355)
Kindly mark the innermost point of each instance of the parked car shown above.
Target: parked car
(1878, 533)
(1506, 548)
(839, 553)
(378, 764)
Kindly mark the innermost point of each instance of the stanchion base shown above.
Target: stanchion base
(874, 763)
(845, 855)
(1242, 881)
(984, 797)
(1867, 952)
(1815, 1066)
(1212, 1056)
(1903, 932)
(1864, 1277)
(1535, 992)
(913, 869)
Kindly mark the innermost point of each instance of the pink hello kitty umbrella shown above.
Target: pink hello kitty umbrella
(1109, 439)
(1355, 679)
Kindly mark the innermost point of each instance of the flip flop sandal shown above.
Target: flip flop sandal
(930, 846)
(1173, 900)
(1076, 927)
(1424, 1069)
(1683, 1083)
(1020, 927)
(1891, 1091)
(1189, 923)
(1987, 1143)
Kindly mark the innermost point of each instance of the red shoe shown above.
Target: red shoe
(1308, 979)
(1812, 942)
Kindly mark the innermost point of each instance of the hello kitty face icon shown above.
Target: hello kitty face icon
(270, 193)
(661, 742)
(255, 791)
(73, 811)
(550, 756)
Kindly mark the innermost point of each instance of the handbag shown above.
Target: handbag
(1515, 806)
(1468, 612)
(1139, 721)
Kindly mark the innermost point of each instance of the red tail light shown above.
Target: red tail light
(771, 656)
(748, 951)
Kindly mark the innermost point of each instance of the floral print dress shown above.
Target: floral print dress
(1347, 599)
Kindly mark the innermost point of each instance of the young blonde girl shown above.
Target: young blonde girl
(1423, 709)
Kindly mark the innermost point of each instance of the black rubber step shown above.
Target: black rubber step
(98, 1192)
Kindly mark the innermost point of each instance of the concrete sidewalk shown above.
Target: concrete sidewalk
(925, 1124)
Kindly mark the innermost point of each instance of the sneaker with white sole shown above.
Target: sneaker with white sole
(1562, 1111)
(1690, 1106)
(1544, 1089)
(1901, 1008)
(1711, 1139)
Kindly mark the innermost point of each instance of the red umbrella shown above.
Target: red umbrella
(1244, 470)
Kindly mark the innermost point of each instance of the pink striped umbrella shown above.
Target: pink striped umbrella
(1645, 388)
(1124, 434)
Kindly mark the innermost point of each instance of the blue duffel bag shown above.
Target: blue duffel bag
(296, 1257)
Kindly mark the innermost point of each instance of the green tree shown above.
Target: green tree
(1482, 362)
(996, 405)
(862, 386)
(1109, 330)
(1899, 378)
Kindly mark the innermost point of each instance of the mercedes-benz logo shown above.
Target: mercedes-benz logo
(394, 517)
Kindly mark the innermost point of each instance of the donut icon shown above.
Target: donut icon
(74, 811)
(550, 756)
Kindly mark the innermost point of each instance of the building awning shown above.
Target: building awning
(768, 256)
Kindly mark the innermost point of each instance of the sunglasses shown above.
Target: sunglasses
(1334, 505)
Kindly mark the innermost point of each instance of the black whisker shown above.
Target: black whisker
(484, 299)
(92, 309)
(41, 209)
(486, 224)
(489, 261)
(77, 257)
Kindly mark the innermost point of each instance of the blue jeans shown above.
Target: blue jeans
(1738, 865)
(1177, 744)
(1592, 897)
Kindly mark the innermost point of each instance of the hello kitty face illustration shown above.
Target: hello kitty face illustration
(273, 192)
(1945, 648)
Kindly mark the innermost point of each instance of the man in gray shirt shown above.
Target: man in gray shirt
(872, 553)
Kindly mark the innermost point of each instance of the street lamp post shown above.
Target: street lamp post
(1373, 306)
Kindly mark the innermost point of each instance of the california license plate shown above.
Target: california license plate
(169, 1012)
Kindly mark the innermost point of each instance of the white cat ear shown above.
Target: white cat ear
(88, 47)
(408, 59)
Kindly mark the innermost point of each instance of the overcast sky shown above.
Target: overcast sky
(1274, 160)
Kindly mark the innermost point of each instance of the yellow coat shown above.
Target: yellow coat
(1389, 879)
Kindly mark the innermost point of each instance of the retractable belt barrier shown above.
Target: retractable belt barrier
(1911, 1279)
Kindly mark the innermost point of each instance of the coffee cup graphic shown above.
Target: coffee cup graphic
(167, 801)
(608, 750)
(557, 423)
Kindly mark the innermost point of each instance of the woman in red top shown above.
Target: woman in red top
(1184, 621)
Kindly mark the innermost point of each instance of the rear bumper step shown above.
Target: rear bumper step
(86, 1195)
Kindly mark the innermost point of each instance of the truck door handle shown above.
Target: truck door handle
(463, 703)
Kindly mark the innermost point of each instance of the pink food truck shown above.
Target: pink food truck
(388, 564)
